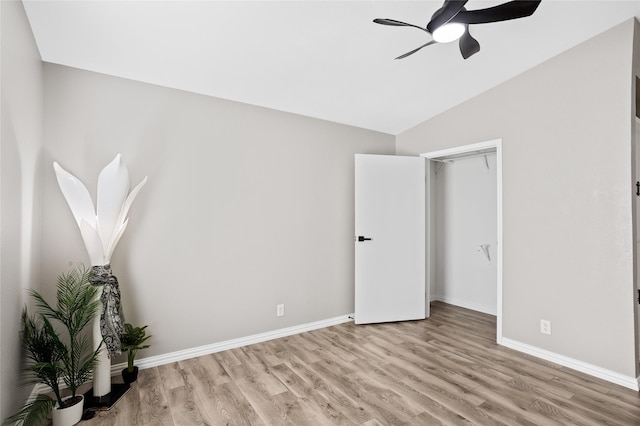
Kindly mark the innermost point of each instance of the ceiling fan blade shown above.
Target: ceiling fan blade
(503, 12)
(394, 23)
(415, 50)
(449, 10)
(468, 45)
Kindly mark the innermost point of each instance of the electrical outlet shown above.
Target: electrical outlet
(280, 310)
(545, 326)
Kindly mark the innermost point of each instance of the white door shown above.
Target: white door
(390, 251)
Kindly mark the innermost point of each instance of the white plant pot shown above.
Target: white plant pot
(68, 416)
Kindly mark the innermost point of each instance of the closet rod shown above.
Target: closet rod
(451, 158)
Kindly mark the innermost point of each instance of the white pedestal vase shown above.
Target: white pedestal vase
(107, 327)
(68, 416)
(102, 369)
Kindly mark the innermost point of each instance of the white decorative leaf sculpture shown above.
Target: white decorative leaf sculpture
(114, 240)
(92, 242)
(127, 204)
(101, 229)
(113, 185)
(76, 195)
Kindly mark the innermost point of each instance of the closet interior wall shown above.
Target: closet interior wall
(466, 231)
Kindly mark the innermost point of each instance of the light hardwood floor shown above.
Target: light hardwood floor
(446, 370)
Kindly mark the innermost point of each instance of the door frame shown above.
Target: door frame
(461, 151)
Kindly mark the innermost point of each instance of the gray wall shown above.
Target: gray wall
(566, 127)
(466, 218)
(635, 154)
(20, 176)
(636, 215)
(245, 207)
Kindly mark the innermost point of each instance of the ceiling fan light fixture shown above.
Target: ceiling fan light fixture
(448, 32)
(451, 21)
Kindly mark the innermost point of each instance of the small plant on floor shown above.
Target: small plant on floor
(131, 341)
(52, 358)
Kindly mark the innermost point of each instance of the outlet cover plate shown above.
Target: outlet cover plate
(545, 326)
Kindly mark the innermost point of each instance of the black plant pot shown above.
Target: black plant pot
(130, 376)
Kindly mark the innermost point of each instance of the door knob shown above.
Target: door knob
(362, 238)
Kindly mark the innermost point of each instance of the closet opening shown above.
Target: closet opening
(464, 227)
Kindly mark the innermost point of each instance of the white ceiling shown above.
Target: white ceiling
(322, 59)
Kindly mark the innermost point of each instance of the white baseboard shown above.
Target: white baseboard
(157, 360)
(464, 304)
(590, 369)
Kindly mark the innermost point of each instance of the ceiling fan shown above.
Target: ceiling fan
(451, 22)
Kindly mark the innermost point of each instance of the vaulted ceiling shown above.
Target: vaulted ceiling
(323, 59)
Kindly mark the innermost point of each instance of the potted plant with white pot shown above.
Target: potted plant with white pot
(59, 357)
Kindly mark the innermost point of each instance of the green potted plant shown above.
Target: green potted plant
(54, 357)
(131, 341)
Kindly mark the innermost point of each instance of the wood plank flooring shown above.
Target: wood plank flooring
(446, 370)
